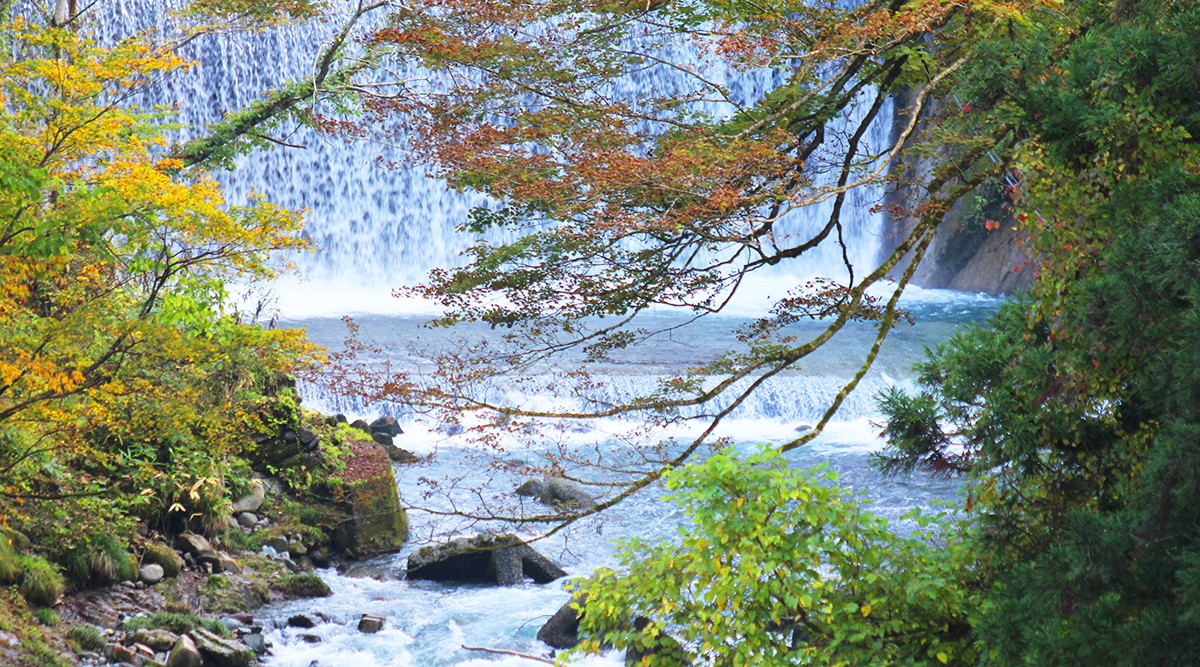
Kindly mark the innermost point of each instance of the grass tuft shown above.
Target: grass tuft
(41, 584)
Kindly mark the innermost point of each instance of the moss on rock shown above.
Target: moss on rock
(303, 586)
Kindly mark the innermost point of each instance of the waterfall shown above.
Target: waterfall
(377, 229)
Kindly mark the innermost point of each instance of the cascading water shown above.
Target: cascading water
(377, 229)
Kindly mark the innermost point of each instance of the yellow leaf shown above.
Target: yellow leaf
(866, 610)
(943, 658)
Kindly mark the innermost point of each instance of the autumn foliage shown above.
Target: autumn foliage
(118, 351)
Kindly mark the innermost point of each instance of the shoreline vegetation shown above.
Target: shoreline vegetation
(317, 492)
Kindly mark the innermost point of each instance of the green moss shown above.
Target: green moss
(175, 622)
(303, 586)
(41, 584)
(382, 522)
(161, 554)
(86, 637)
(45, 616)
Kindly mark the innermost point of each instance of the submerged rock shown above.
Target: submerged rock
(560, 491)
(488, 557)
(370, 624)
(530, 488)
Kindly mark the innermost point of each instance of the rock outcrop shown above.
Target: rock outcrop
(376, 522)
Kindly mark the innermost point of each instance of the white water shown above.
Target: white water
(378, 229)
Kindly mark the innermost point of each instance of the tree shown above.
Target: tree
(1076, 408)
(671, 198)
(778, 567)
(115, 336)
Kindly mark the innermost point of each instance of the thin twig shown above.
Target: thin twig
(503, 652)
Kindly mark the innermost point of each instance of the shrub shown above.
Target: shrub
(41, 584)
(303, 586)
(87, 637)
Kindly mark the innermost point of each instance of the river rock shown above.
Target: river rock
(256, 642)
(220, 652)
(488, 557)
(562, 630)
(200, 549)
(247, 520)
(386, 425)
(530, 488)
(370, 624)
(278, 543)
(361, 425)
(383, 440)
(185, 654)
(308, 438)
(335, 420)
(157, 639)
(560, 491)
(118, 653)
(228, 563)
(151, 574)
(252, 501)
(301, 621)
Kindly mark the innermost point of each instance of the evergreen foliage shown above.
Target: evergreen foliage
(1077, 409)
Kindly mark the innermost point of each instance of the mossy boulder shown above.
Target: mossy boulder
(376, 523)
(303, 586)
(157, 553)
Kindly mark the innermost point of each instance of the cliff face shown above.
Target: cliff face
(966, 255)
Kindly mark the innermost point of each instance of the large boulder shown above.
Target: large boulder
(562, 630)
(560, 491)
(376, 523)
(488, 557)
(158, 553)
